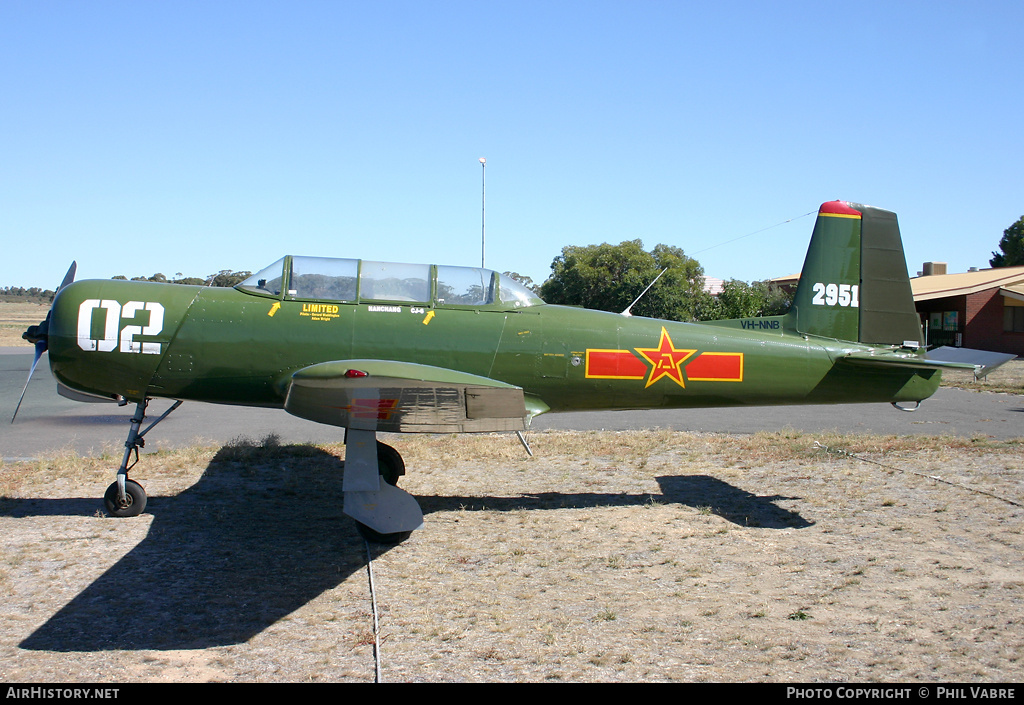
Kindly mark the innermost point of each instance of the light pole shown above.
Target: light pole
(483, 209)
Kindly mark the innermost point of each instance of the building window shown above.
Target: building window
(1013, 319)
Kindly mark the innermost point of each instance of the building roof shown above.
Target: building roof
(1015, 291)
(713, 286)
(939, 286)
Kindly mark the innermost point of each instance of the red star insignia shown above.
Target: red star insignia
(380, 409)
(665, 360)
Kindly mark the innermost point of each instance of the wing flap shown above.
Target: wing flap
(404, 397)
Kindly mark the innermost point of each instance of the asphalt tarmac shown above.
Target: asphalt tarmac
(48, 422)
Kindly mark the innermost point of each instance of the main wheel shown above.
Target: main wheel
(391, 467)
(134, 500)
(390, 463)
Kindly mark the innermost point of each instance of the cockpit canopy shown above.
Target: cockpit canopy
(353, 281)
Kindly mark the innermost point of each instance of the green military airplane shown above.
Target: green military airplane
(379, 346)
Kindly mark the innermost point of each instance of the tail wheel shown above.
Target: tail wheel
(134, 500)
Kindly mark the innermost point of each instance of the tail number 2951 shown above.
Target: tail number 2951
(114, 336)
(836, 294)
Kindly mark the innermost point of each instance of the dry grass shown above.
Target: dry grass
(1008, 379)
(607, 556)
(15, 318)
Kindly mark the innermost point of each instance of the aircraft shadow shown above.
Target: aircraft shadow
(261, 534)
(698, 491)
(731, 503)
(248, 544)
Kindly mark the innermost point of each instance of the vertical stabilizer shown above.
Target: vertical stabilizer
(854, 284)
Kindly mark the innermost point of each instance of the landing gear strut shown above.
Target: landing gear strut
(383, 512)
(124, 497)
(390, 467)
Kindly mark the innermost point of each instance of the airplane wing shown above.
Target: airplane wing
(981, 362)
(405, 397)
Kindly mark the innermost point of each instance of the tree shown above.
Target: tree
(524, 280)
(610, 277)
(1012, 246)
(228, 278)
(224, 277)
(742, 300)
(32, 294)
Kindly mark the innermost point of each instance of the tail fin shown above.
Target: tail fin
(854, 284)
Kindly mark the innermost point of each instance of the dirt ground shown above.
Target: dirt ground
(639, 556)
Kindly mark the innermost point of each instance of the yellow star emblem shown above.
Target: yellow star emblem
(666, 360)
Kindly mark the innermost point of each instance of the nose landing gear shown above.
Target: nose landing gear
(124, 497)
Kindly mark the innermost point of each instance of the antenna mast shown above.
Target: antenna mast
(626, 312)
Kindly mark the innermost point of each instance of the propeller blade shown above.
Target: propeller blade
(38, 336)
(40, 349)
(70, 276)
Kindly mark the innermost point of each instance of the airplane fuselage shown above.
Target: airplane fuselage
(142, 339)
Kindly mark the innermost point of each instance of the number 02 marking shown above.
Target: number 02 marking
(115, 314)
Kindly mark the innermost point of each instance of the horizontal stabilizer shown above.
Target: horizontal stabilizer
(983, 361)
(980, 362)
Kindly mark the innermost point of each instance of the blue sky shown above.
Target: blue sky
(191, 137)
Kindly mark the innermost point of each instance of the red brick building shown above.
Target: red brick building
(983, 309)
